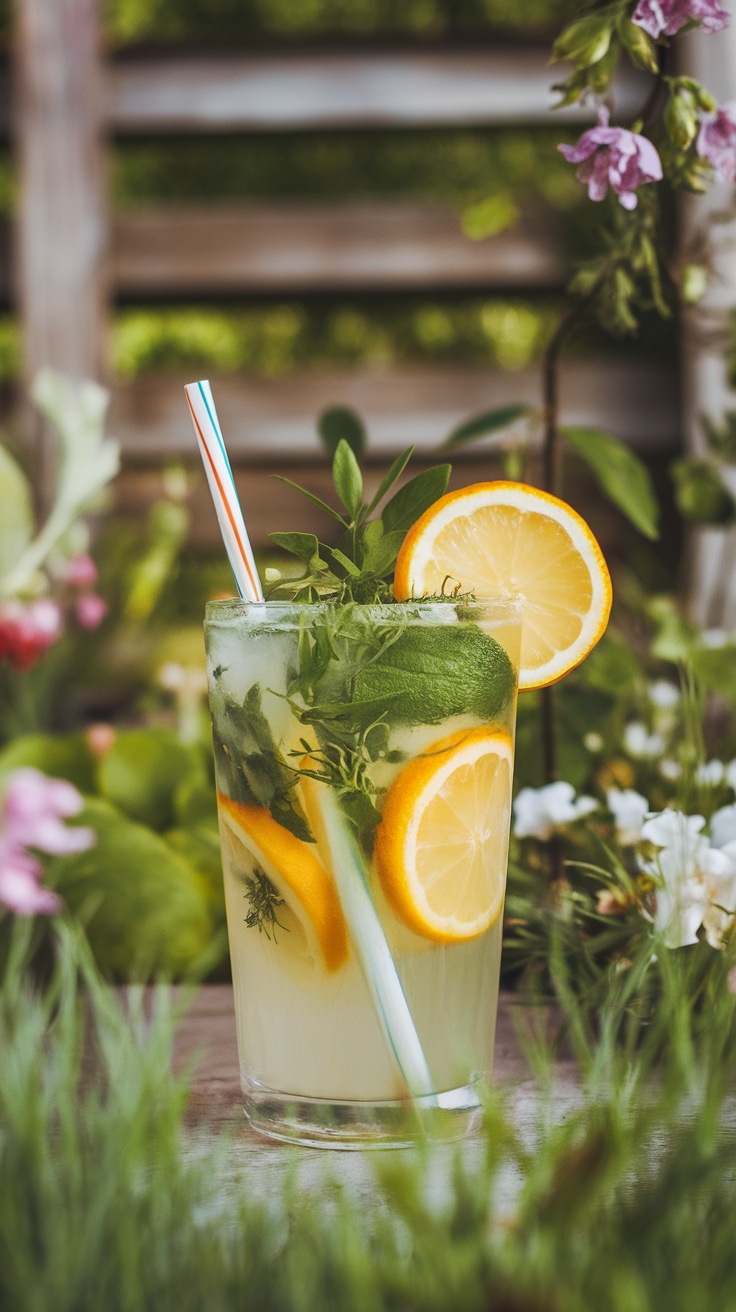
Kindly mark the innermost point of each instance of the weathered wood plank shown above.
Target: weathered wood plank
(509, 86)
(267, 420)
(61, 221)
(318, 247)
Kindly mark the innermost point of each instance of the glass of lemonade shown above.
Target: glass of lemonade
(402, 717)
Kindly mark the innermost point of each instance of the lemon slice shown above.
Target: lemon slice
(442, 843)
(296, 872)
(510, 539)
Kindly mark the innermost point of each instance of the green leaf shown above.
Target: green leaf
(345, 561)
(347, 478)
(490, 421)
(338, 424)
(700, 493)
(146, 910)
(622, 476)
(316, 501)
(250, 767)
(16, 512)
(612, 666)
(142, 772)
(394, 471)
(61, 756)
(303, 545)
(414, 498)
(487, 217)
(381, 557)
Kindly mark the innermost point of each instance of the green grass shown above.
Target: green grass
(623, 1205)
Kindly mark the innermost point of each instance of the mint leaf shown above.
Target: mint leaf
(394, 471)
(303, 545)
(622, 476)
(433, 673)
(348, 479)
(250, 767)
(414, 498)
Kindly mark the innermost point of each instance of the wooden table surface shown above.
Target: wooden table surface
(206, 1041)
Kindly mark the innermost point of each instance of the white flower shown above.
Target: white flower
(696, 877)
(718, 872)
(538, 812)
(681, 895)
(641, 744)
(670, 769)
(710, 773)
(663, 694)
(593, 742)
(629, 810)
(723, 826)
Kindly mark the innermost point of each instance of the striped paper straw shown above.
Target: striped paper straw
(373, 951)
(222, 486)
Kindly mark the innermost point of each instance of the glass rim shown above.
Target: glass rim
(232, 610)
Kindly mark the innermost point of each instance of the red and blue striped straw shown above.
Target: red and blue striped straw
(222, 486)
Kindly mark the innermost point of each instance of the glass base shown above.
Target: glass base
(324, 1123)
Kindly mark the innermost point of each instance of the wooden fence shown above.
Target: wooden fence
(73, 258)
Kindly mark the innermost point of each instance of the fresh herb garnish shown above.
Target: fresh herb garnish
(359, 565)
(264, 899)
(250, 766)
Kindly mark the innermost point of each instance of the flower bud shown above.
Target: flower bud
(639, 46)
(680, 120)
(584, 42)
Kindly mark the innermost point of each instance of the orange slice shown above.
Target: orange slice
(510, 539)
(442, 843)
(297, 873)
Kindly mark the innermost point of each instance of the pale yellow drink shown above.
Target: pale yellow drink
(309, 1037)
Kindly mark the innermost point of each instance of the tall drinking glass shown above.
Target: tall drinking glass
(402, 718)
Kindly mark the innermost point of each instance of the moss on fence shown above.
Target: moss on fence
(140, 20)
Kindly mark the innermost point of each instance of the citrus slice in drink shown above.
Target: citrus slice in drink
(510, 539)
(297, 874)
(442, 842)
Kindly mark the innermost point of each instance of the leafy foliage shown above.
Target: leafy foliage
(623, 1200)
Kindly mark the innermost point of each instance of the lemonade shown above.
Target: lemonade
(405, 713)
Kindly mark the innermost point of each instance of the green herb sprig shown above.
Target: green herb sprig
(360, 565)
(264, 900)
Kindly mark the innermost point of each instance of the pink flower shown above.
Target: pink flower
(27, 630)
(20, 888)
(81, 572)
(614, 157)
(716, 141)
(665, 17)
(90, 610)
(33, 811)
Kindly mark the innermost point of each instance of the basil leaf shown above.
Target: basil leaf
(303, 545)
(490, 421)
(622, 476)
(347, 478)
(414, 498)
